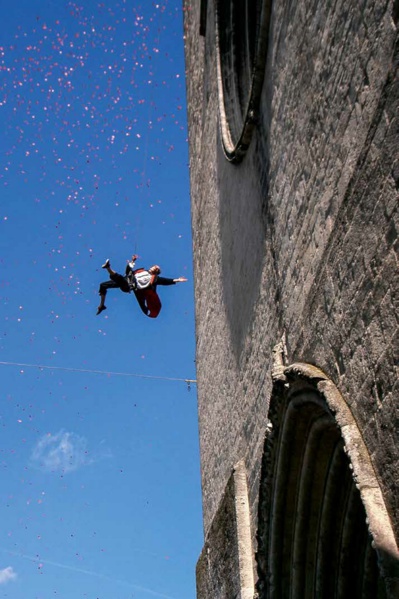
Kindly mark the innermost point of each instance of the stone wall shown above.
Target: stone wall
(300, 237)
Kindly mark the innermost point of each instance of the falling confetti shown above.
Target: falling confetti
(94, 161)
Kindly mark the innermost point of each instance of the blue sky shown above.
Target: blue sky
(100, 494)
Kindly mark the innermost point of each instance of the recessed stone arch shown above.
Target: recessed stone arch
(323, 528)
(242, 39)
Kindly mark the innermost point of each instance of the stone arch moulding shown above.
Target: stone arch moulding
(242, 39)
(321, 510)
(225, 568)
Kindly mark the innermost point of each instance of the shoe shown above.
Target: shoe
(100, 309)
(106, 263)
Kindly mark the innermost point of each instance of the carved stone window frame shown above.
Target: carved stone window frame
(330, 410)
(238, 107)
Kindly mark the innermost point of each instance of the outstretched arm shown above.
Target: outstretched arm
(166, 281)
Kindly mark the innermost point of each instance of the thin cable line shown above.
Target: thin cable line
(86, 370)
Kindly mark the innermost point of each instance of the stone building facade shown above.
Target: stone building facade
(293, 111)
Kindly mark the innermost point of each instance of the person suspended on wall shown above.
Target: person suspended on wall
(142, 282)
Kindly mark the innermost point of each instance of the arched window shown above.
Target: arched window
(242, 36)
(318, 489)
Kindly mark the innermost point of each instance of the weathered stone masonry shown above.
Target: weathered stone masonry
(295, 238)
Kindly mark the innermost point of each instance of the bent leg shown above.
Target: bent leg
(117, 282)
(149, 302)
(103, 292)
(120, 281)
(107, 266)
(141, 301)
(105, 285)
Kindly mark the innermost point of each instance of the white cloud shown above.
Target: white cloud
(60, 452)
(7, 574)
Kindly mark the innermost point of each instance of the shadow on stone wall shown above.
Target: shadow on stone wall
(246, 227)
(243, 238)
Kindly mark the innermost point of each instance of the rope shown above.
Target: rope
(143, 182)
(146, 144)
(107, 372)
